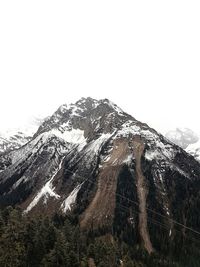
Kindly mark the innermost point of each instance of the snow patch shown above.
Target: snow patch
(46, 192)
(74, 136)
(128, 159)
(106, 159)
(96, 145)
(170, 232)
(175, 167)
(150, 155)
(70, 200)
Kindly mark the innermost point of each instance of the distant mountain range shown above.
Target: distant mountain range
(12, 139)
(186, 139)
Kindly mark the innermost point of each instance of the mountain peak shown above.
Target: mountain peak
(86, 100)
(87, 114)
(88, 103)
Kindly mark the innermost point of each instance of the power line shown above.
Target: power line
(128, 199)
(157, 213)
(136, 203)
(162, 225)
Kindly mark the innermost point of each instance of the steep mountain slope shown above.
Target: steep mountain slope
(112, 172)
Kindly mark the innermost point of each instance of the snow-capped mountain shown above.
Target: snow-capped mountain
(182, 137)
(186, 139)
(90, 158)
(194, 150)
(12, 139)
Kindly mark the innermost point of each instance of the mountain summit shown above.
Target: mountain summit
(91, 159)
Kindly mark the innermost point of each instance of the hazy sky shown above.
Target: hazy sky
(143, 55)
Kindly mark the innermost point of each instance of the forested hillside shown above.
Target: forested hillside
(58, 241)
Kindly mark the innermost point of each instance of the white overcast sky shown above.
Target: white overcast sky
(142, 55)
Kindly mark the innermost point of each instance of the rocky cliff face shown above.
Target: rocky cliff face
(93, 160)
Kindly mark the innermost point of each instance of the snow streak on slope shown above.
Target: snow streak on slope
(46, 191)
(96, 145)
(71, 199)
